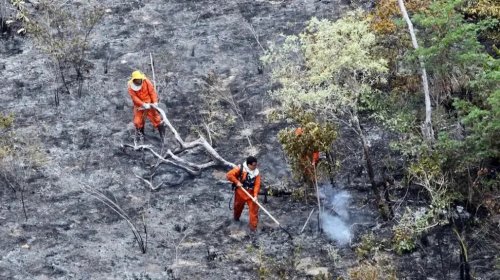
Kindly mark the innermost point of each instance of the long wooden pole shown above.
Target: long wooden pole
(153, 70)
(265, 211)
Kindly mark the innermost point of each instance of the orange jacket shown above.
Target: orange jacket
(146, 94)
(233, 175)
(315, 158)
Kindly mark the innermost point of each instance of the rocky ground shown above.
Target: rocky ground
(69, 234)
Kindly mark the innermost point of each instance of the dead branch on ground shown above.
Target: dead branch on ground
(172, 158)
(142, 242)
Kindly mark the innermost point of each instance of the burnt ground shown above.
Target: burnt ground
(190, 235)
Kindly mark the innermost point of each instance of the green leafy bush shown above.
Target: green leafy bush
(299, 148)
(368, 246)
(6, 122)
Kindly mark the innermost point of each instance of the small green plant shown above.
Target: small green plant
(20, 156)
(6, 146)
(427, 173)
(379, 267)
(364, 271)
(270, 268)
(404, 235)
(333, 254)
(299, 194)
(263, 271)
(296, 253)
(6, 121)
(367, 247)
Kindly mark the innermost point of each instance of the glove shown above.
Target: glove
(322, 155)
(146, 106)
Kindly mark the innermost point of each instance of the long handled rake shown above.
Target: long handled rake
(267, 212)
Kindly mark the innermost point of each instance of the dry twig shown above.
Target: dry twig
(171, 156)
(142, 242)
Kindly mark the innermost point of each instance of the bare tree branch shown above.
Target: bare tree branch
(150, 182)
(427, 130)
(200, 142)
(171, 157)
(118, 210)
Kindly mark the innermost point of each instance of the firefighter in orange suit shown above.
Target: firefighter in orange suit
(246, 176)
(143, 95)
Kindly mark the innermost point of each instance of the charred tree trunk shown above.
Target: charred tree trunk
(63, 77)
(386, 182)
(464, 259)
(382, 206)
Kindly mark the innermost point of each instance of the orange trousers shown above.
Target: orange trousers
(151, 114)
(240, 198)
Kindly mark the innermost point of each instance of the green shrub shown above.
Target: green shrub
(368, 246)
(299, 149)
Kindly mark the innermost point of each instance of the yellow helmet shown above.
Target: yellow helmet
(137, 75)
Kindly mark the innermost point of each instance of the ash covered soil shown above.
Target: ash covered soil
(69, 234)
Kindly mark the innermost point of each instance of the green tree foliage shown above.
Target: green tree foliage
(462, 166)
(481, 9)
(482, 127)
(480, 115)
(330, 70)
(470, 78)
(449, 47)
(466, 97)
(465, 79)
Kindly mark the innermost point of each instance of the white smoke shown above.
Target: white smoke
(335, 216)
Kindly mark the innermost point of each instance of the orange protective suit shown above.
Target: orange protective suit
(146, 94)
(240, 198)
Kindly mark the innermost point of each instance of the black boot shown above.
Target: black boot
(254, 238)
(161, 130)
(139, 136)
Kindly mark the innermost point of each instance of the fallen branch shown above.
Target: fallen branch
(21, 185)
(252, 30)
(118, 210)
(172, 158)
(177, 248)
(307, 221)
(150, 182)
